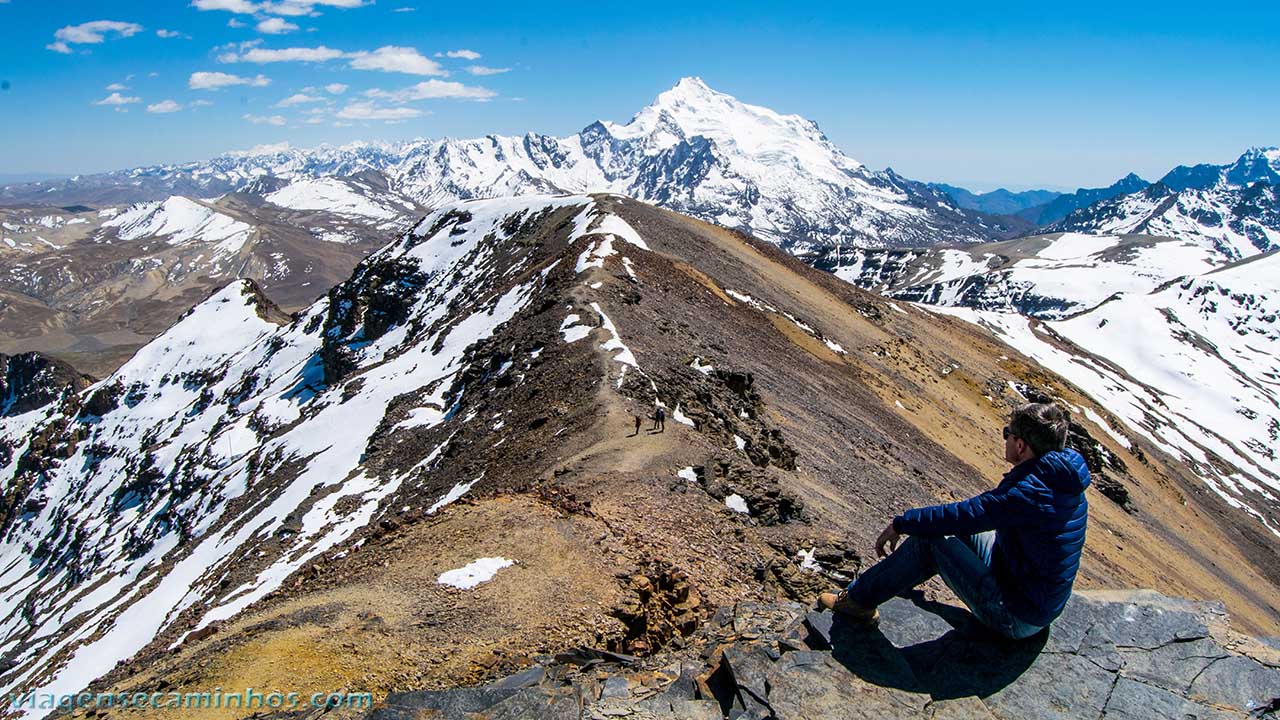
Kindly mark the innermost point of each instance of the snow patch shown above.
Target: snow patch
(474, 572)
(571, 331)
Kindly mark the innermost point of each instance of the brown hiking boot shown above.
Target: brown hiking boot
(840, 603)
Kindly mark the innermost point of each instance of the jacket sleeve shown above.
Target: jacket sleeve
(999, 508)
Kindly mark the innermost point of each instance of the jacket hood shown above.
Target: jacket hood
(1062, 470)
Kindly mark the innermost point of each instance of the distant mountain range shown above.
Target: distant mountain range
(1039, 207)
(1235, 208)
(693, 150)
(1068, 203)
(998, 202)
(1044, 208)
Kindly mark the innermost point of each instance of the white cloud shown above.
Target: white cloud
(200, 103)
(404, 9)
(276, 120)
(292, 8)
(482, 70)
(168, 33)
(335, 88)
(216, 80)
(90, 33)
(392, 58)
(268, 149)
(164, 106)
(389, 58)
(275, 26)
(236, 6)
(234, 23)
(153, 74)
(464, 54)
(368, 111)
(116, 98)
(299, 99)
(434, 89)
(117, 86)
(230, 52)
(297, 54)
(341, 4)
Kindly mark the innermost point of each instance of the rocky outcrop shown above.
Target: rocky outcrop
(31, 380)
(379, 296)
(1133, 654)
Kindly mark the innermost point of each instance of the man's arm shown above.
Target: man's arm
(1002, 507)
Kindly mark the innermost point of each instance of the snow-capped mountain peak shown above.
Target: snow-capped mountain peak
(693, 109)
(1259, 164)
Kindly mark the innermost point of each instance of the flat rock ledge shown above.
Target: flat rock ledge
(1130, 654)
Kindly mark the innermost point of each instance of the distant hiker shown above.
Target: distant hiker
(1011, 554)
(637, 430)
(660, 419)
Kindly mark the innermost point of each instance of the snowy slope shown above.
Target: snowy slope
(1192, 367)
(693, 149)
(229, 451)
(180, 220)
(334, 195)
(1049, 276)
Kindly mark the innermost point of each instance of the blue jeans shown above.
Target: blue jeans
(964, 562)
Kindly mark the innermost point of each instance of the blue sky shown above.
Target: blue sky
(1052, 95)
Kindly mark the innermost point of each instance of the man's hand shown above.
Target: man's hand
(889, 537)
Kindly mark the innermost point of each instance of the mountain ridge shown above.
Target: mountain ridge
(999, 201)
(1067, 203)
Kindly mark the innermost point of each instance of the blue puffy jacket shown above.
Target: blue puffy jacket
(1039, 514)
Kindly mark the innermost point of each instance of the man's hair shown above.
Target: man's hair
(1042, 426)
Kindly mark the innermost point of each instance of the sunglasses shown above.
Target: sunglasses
(1005, 432)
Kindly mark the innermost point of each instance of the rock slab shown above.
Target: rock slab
(1114, 655)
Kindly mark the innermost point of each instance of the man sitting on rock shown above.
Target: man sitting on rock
(1010, 554)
